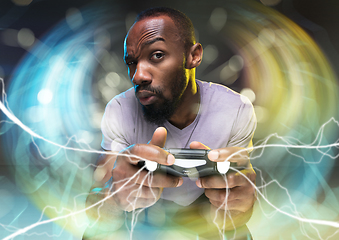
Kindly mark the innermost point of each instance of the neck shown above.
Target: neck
(188, 108)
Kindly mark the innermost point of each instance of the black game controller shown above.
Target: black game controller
(189, 163)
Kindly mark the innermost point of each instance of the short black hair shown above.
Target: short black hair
(181, 21)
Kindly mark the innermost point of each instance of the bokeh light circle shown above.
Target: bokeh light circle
(289, 81)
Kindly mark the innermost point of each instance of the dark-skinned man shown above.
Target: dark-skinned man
(169, 108)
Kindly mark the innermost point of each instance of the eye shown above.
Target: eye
(157, 56)
(130, 63)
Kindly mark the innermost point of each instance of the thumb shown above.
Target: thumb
(159, 137)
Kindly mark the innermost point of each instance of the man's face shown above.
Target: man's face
(155, 58)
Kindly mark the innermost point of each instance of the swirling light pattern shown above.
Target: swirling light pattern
(60, 89)
(296, 93)
(52, 94)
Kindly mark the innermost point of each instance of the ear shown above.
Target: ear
(194, 56)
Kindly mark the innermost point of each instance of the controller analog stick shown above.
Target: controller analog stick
(150, 165)
(223, 167)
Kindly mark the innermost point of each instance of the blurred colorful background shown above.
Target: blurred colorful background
(61, 62)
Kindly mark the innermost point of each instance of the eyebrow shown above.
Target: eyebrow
(149, 42)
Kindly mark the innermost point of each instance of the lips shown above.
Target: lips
(146, 97)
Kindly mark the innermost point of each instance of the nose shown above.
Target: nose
(141, 76)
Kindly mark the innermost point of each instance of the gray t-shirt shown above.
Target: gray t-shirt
(225, 119)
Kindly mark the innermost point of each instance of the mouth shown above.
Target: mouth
(146, 97)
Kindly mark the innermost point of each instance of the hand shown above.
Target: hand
(142, 189)
(108, 216)
(233, 192)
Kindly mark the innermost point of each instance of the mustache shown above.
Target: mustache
(148, 88)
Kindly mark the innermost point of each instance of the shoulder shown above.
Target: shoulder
(125, 100)
(221, 94)
(122, 106)
(210, 87)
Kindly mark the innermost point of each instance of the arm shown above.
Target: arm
(125, 187)
(232, 196)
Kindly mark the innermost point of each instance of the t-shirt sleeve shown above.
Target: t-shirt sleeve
(244, 126)
(113, 138)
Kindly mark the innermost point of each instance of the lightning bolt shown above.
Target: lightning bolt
(297, 217)
(39, 222)
(148, 177)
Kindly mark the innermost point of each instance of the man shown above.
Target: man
(169, 108)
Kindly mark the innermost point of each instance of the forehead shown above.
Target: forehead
(146, 30)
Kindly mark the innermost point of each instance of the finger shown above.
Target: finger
(198, 145)
(235, 201)
(159, 137)
(218, 195)
(237, 193)
(231, 154)
(151, 153)
(124, 171)
(249, 174)
(160, 180)
(127, 172)
(231, 180)
(237, 180)
(218, 182)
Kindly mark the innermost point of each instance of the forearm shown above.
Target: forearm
(200, 217)
(229, 220)
(103, 215)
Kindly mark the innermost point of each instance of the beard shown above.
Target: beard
(158, 113)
